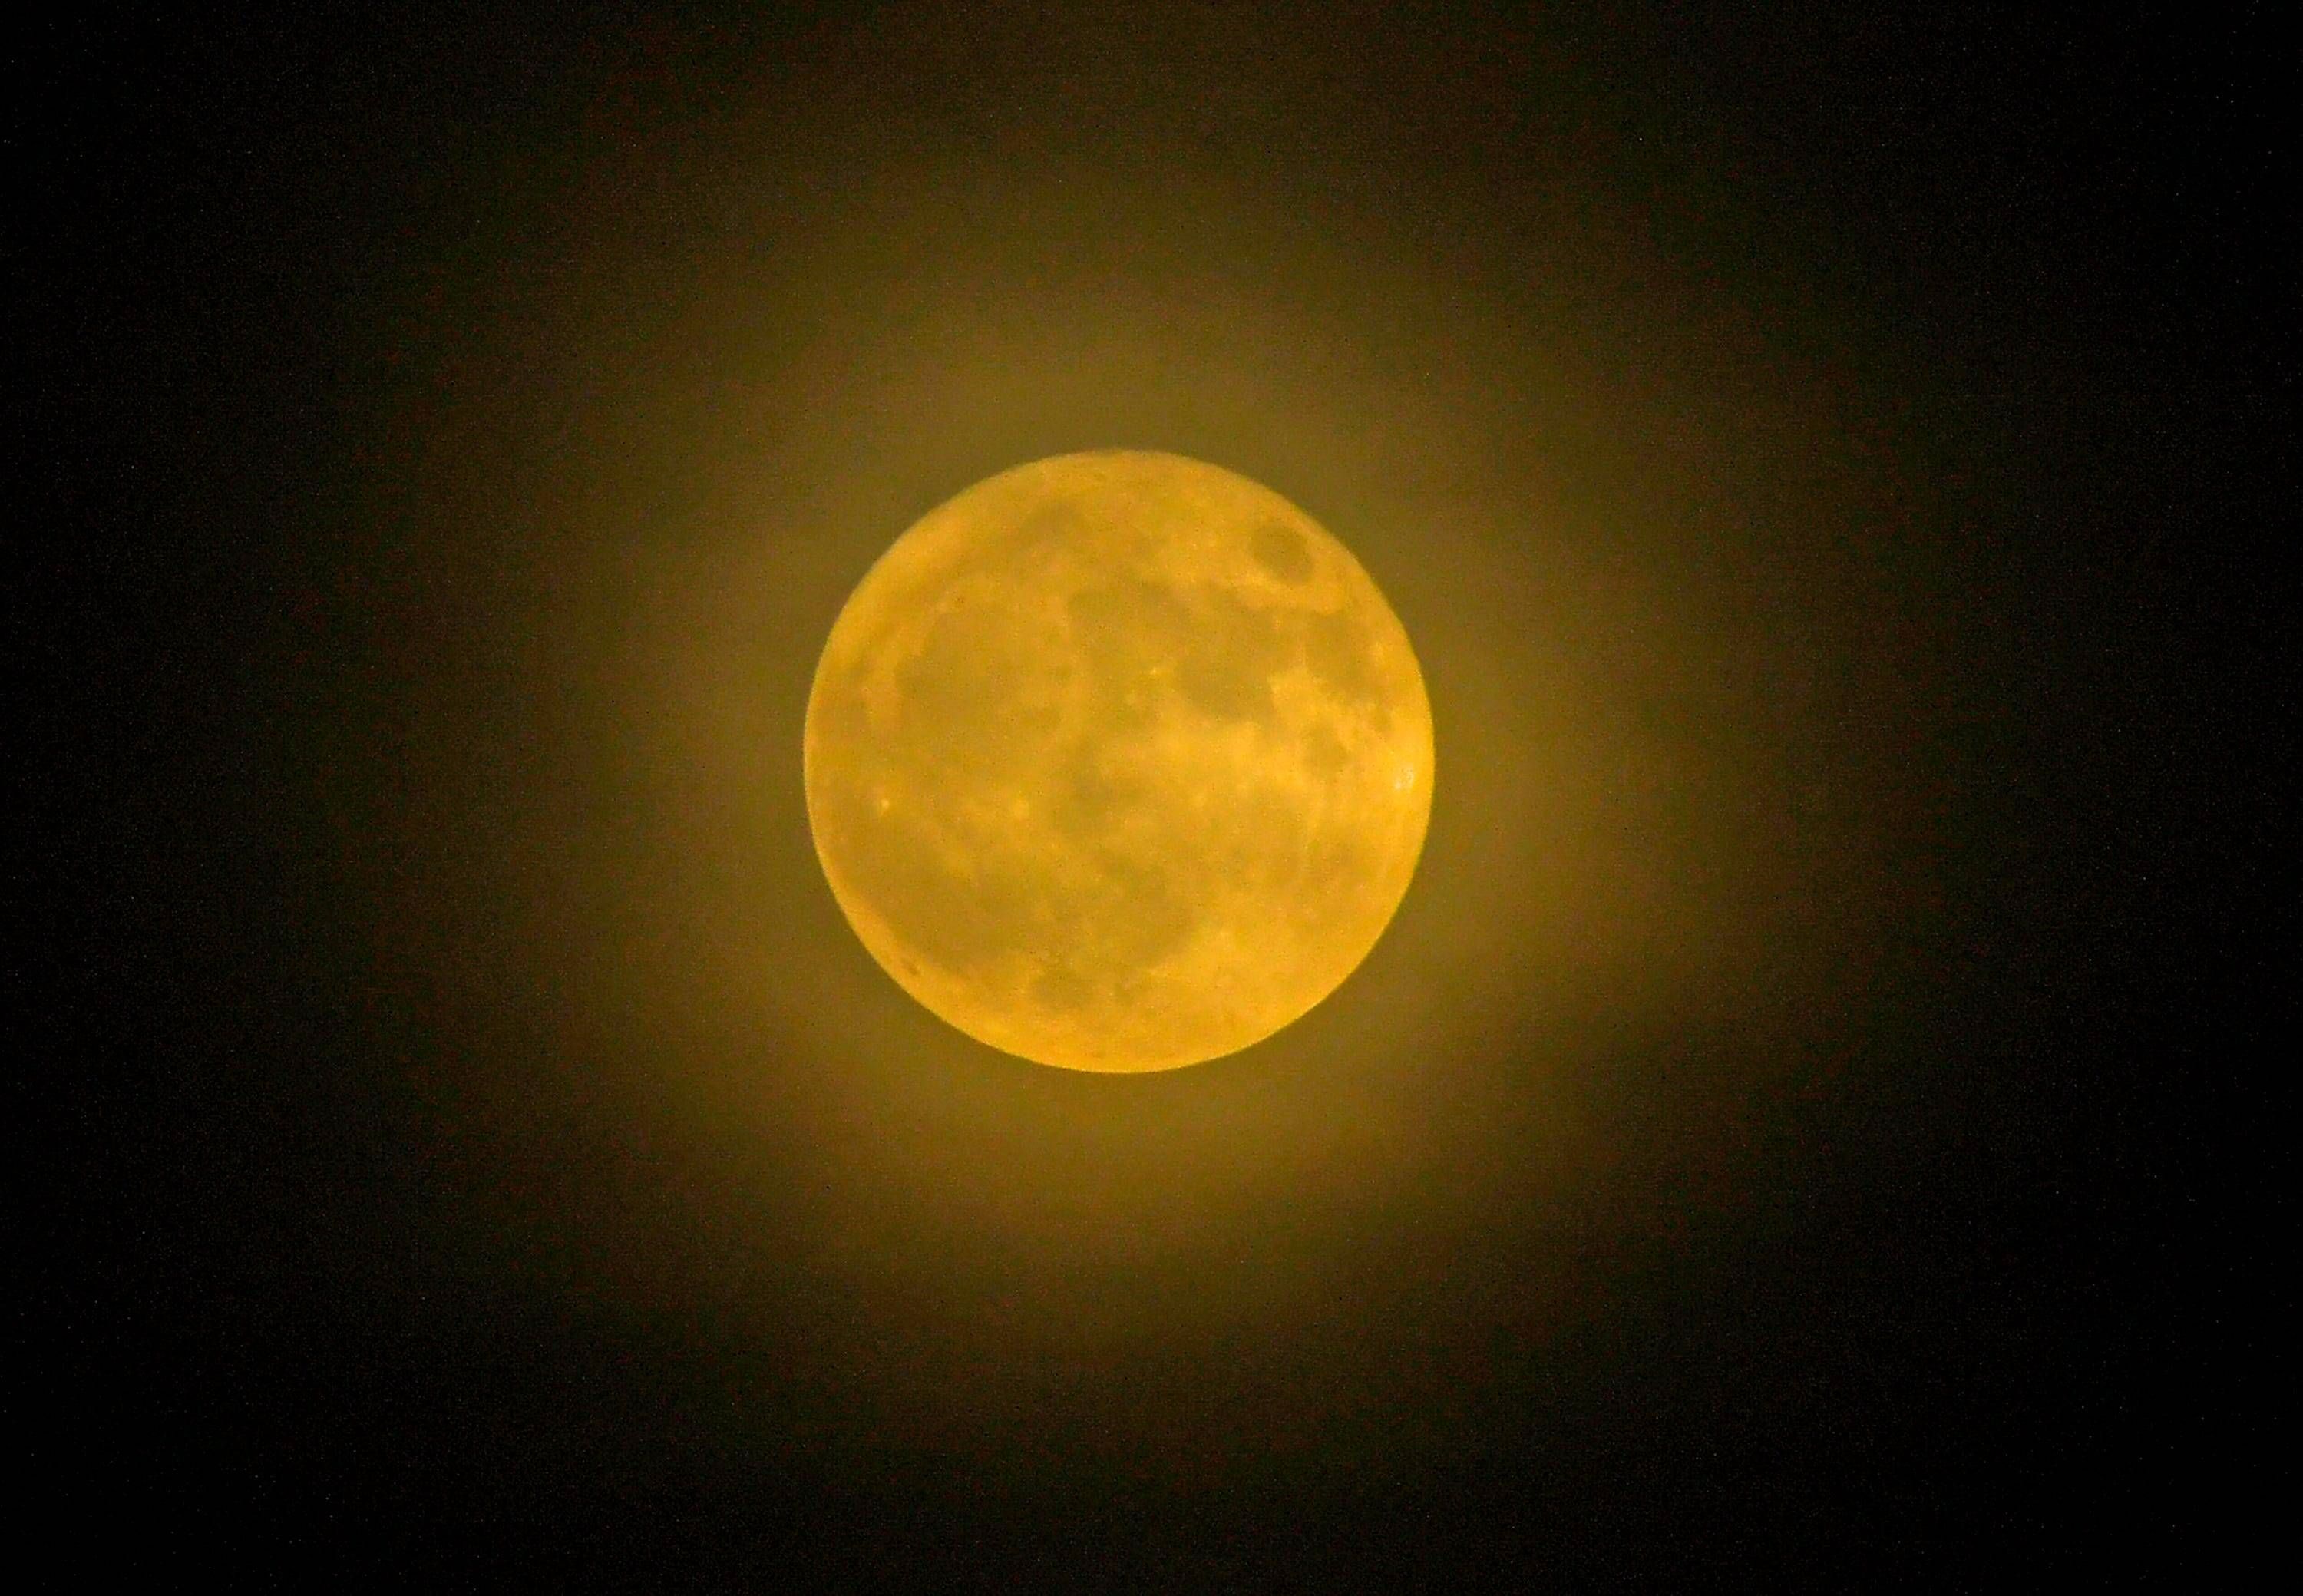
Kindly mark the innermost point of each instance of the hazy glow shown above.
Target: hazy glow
(1656, 823)
(1118, 762)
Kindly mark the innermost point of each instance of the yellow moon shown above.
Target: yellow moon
(1118, 761)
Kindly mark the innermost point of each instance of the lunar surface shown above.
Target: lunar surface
(1118, 762)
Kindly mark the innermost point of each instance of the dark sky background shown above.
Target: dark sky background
(1807, 1124)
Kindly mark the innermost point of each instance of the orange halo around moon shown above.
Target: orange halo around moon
(1118, 761)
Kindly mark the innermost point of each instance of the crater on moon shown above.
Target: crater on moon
(1118, 761)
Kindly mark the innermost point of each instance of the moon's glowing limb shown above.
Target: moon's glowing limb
(1118, 761)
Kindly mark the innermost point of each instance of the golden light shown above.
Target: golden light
(1118, 761)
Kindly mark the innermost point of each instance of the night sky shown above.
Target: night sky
(1808, 1126)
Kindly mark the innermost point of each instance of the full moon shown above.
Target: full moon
(1118, 761)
